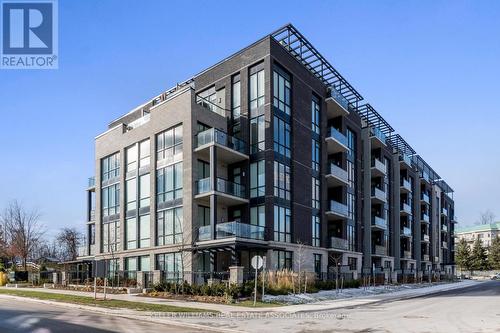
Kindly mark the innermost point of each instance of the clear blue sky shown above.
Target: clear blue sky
(437, 61)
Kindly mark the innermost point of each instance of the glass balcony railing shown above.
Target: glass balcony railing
(377, 164)
(406, 184)
(425, 238)
(214, 135)
(91, 182)
(405, 231)
(337, 96)
(406, 254)
(338, 172)
(377, 133)
(221, 185)
(425, 176)
(379, 222)
(338, 208)
(338, 243)
(444, 211)
(425, 257)
(204, 233)
(378, 193)
(445, 245)
(424, 217)
(405, 208)
(444, 227)
(380, 250)
(337, 135)
(425, 197)
(406, 159)
(242, 230)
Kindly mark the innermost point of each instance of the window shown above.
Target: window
(236, 97)
(169, 226)
(315, 150)
(144, 153)
(281, 136)
(169, 143)
(111, 200)
(257, 179)
(131, 157)
(315, 230)
(203, 215)
(168, 262)
(257, 134)
(258, 215)
(351, 144)
(256, 88)
(144, 231)
(315, 112)
(283, 260)
(131, 193)
(352, 263)
(203, 169)
(281, 181)
(315, 195)
(282, 231)
(144, 263)
(208, 99)
(169, 183)
(144, 190)
(110, 167)
(111, 236)
(131, 264)
(351, 237)
(317, 263)
(281, 90)
(131, 233)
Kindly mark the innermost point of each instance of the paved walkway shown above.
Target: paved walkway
(318, 306)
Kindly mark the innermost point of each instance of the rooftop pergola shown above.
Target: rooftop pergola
(300, 48)
(374, 119)
(401, 145)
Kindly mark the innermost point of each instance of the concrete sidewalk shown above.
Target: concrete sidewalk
(310, 307)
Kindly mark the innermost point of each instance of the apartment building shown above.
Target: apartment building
(485, 232)
(272, 152)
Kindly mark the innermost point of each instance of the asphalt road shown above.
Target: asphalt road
(468, 310)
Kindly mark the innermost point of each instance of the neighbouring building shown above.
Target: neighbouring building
(485, 232)
(271, 152)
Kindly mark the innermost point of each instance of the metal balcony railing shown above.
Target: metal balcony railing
(214, 135)
(338, 243)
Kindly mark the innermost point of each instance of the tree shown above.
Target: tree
(23, 230)
(478, 256)
(69, 240)
(494, 253)
(300, 261)
(463, 255)
(486, 217)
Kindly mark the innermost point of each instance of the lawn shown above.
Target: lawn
(259, 304)
(110, 303)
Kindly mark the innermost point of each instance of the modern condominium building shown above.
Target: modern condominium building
(271, 152)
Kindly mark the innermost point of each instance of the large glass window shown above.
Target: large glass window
(111, 236)
(281, 134)
(131, 233)
(256, 89)
(258, 215)
(315, 112)
(257, 134)
(131, 157)
(281, 180)
(315, 230)
(131, 193)
(236, 97)
(144, 153)
(144, 263)
(203, 215)
(169, 262)
(169, 226)
(110, 200)
(315, 156)
(283, 260)
(281, 90)
(169, 143)
(315, 195)
(282, 223)
(257, 179)
(110, 167)
(317, 263)
(169, 183)
(144, 190)
(144, 231)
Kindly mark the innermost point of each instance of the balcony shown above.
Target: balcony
(337, 176)
(229, 193)
(232, 230)
(424, 197)
(378, 137)
(91, 183)
(425, 238)
(336, 104)
(378, 195)
(444, 212)
(91, 215)
(405, 185)
(337, 210)
(405, 160)
(379, 223)
(406, 232)
(444, 245)
(335, 141)
(425, 257)
(338, 243)
(231, 149)
(379, 250)
(425, 177)
(378, 168)
(424, 218)
(406, 254)
(444, 228)
(405, 209)
(82, 251)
